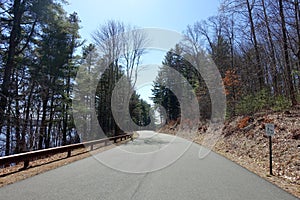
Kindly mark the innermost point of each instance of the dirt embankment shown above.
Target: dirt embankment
(244, 142)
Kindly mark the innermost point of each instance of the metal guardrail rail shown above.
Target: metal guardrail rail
(35, 155)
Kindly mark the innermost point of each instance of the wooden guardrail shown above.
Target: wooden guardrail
(34, 155)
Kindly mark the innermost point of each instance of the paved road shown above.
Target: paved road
(105, 176)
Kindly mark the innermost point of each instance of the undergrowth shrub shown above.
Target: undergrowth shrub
(262, 100)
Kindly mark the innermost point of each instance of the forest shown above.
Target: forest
(256, 48)
(255, 44)
(39, 62)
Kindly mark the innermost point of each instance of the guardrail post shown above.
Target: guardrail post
(92, 147)
(69, 154)
(26, 164)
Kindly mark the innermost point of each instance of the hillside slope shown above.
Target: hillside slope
(245, 143)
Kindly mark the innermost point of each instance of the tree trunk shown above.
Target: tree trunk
(8, 133)
(27, 115)
(31, 134)
(17, 125)
(43, 120)
(18, 10)
(290, 84)
(48, 135)
(297, 20)
(259, 68)
(272, 50)
(64, 128)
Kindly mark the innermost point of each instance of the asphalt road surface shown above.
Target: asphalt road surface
(155, 166)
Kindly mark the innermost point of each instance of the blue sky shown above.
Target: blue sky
(169, 14)
(166, 14)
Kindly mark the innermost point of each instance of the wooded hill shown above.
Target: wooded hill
(256, 47)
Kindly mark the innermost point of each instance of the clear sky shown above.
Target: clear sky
(169, 14)
(166, 14)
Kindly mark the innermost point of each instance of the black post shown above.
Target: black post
(26, 164)
(270, 148)
(69, 154)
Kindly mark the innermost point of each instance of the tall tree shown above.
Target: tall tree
(19, 19)
(121, 48)
(286, 54)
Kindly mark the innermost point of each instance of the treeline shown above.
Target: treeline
(171, 90)
(254, 44)
(106, 100)
(38, 41)
(256, 47)
(38, 67)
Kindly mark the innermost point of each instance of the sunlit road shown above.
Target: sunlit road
(211, 178)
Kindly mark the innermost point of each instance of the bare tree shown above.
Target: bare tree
(286, 54)
(121, 44)
(121, 47)
(134, 41)
(272, 47)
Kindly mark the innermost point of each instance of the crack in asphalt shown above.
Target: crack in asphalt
(139, 186)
